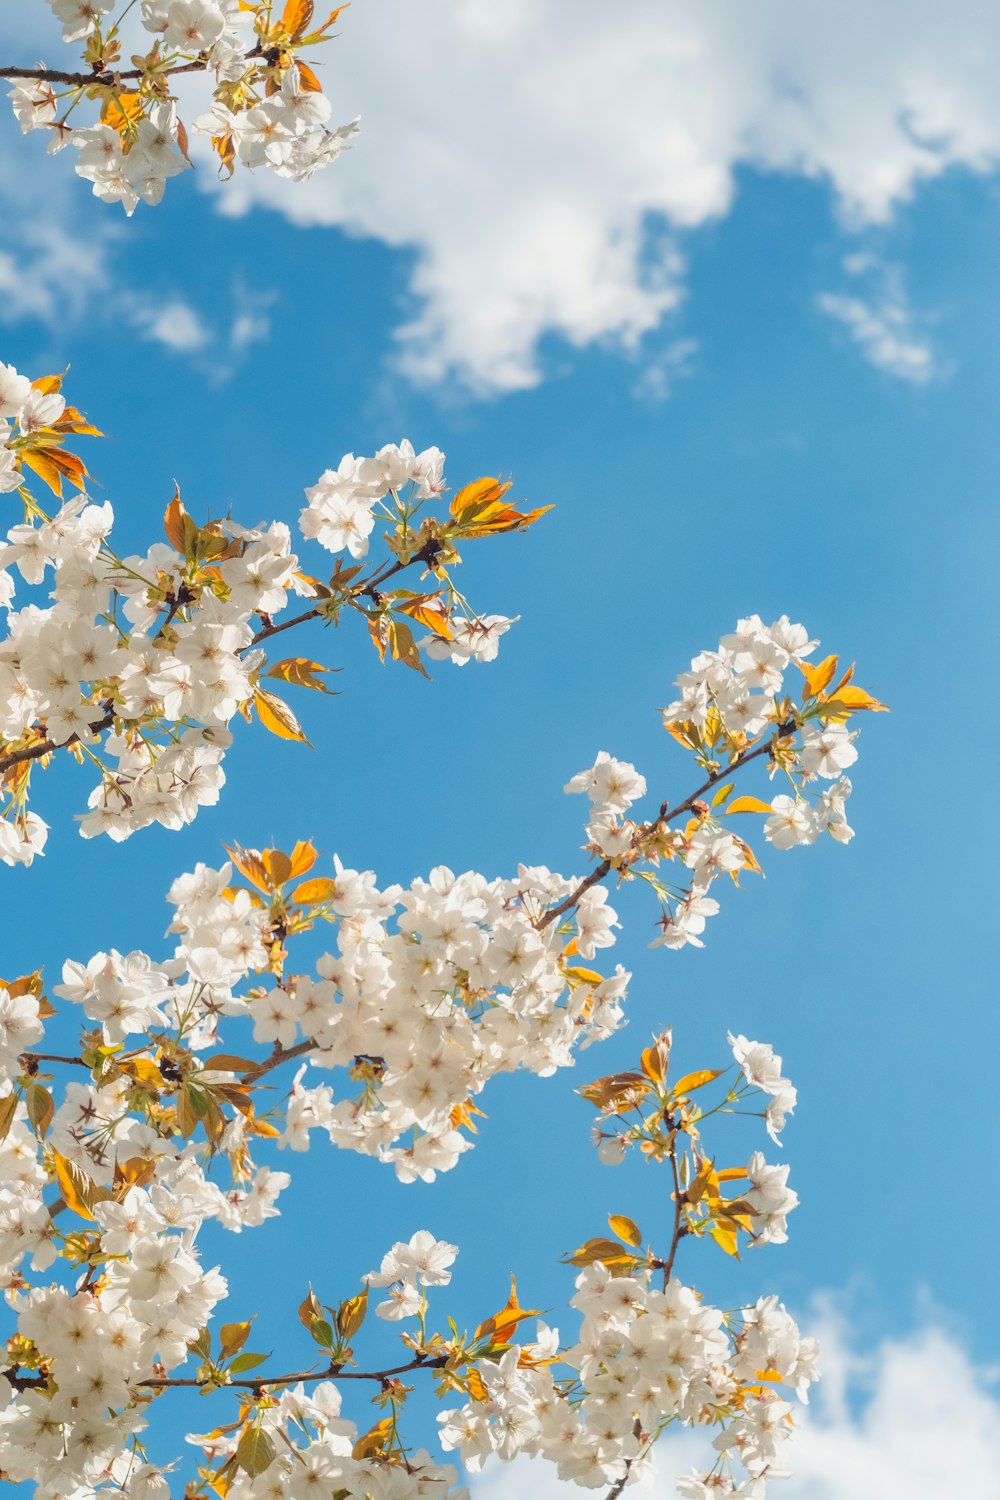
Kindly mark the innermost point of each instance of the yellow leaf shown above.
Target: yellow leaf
(402, 646)
(748, 805)
(232, 1337)
(351, 1314)
(726, 1239)
(683, 732)
(144, 1071)
(276, 716)
(579, 975)
(626, 1229)
(692, 1081)
(8, 1109)
(312, 892)
(375, 1441)
(299, 671)
(609, 1252)
(41, 1107)
(818, 677)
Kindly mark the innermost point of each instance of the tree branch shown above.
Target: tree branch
(104, 80)
(333, 1372)
(666, 815)
(44, 747)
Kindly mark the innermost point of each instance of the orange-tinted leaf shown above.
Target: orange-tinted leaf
(249, 864)
(277, 865)
(474, 496)
(402, 645)
(79, 1190)
(46, 470)
(299, 671)
(312, 892)
(351, 1314)
(655, 1060)
(296, 17)
(137, 1171)
(303, 857)
(502, 1324)
(853, 699)
(307, 78)
(144, 1071)
(818, 677)
(692, 1081)
(617, 1092)
(41, 1107)
(228, 1062)
(48, 384)
(173, 522)
(375, 1441)
(427, 608)
(122, 111)
(608, 1252)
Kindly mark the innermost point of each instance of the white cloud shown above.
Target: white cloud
(173, 323)
(880, 320)
(914, 1420)
(661, 372)
(543, 161)
(526, 151)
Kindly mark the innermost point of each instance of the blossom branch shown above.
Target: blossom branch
(666, 815)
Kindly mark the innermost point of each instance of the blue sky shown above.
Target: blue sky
(749, 453)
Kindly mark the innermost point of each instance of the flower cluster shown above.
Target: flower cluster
(734, 706)
(267, 110)
(140, 663)
(427, 993)
(86, 1355)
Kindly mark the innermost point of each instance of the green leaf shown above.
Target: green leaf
(254, 1451)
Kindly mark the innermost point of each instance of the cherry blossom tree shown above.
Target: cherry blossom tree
(266, 107)
(194, 1075)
